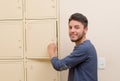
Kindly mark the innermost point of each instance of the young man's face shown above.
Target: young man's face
(76, 30)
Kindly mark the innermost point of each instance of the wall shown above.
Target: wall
(104, 22)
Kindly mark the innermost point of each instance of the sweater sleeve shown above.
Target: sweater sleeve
(76, 57)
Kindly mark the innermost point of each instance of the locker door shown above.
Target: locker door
(39, 34)
(10, 9)
(11, 39)
(39, 9)
(11, 71)
(41, 71)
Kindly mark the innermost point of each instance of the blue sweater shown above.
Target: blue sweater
(82, 63)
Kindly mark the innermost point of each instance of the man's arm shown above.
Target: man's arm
(69, 61)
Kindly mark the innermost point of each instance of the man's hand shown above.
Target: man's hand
(52, 48)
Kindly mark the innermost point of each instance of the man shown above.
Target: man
(82, 62)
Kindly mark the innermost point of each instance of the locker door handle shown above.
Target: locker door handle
(20, 44)
(19, 4)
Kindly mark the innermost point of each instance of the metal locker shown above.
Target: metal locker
(11, 39)
(39, 34)
(11, 71)
(40, 9)
(10, 9)
(41, 71)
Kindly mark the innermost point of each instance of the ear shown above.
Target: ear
(85, 30)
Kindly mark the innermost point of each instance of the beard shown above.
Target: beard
(80, 37)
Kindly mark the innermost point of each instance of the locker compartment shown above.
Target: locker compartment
(10, 9)
(11, 39)
(39, 34)
(41, 71)
(39, 9)
(11, 71)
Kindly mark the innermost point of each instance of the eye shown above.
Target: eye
(70, 27)
(77, 27)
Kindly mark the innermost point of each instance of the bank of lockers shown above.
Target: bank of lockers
(26, 28)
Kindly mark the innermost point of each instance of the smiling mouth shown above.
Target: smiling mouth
(73, 36)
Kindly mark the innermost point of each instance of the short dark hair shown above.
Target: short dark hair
(79, 17)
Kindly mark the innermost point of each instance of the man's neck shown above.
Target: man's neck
(81, 41)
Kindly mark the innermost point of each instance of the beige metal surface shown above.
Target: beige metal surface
(40, 9)
(11, 71)
(26, 28)
(11, 39)
(38, 35)
(10, 9)
(41, 71)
